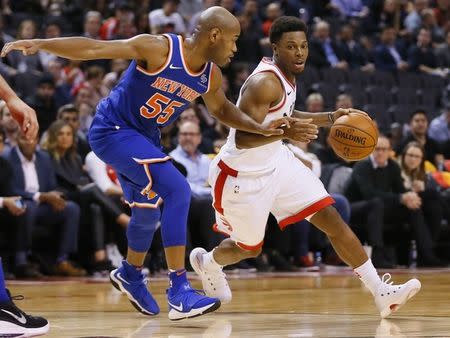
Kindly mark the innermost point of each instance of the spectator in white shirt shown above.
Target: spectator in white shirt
(201, 213)
(102, 175)
(167, 19)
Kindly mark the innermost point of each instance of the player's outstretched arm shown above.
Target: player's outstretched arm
(20, 111)
(226, 112)
(80, 48)
(326, 119)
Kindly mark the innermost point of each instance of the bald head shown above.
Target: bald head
(217, 32)
(217, 17)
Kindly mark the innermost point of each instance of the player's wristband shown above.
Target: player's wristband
(330, 117)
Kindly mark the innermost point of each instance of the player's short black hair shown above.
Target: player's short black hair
(285, 24)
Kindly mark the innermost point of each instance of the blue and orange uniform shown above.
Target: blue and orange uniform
(126, 134)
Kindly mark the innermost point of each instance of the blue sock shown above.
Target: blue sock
(3, 295)
(133, 272)
(177, 278)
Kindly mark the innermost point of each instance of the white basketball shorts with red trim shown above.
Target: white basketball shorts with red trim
(243, 200)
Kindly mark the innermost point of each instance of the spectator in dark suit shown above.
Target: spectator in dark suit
(323, 51)
(35, 181)
(418, 124)
(44, 102)
(421, 57)
(12, 214)
(388, 56)
(353, 52)
(379, 197)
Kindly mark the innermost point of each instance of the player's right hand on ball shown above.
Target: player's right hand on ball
(301, 130)
(28, 47)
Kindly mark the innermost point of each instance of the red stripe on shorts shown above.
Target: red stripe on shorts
(225, 171)
(313, 208)
(239, 244)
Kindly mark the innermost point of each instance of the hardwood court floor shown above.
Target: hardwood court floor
(329, 304)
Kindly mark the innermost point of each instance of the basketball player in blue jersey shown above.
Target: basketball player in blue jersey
(166, 75)
(13, 321)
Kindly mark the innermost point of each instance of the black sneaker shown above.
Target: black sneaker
(102, 267)
(28, 271)
(16, 323)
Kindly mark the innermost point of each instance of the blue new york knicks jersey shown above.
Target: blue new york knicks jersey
(148, 101)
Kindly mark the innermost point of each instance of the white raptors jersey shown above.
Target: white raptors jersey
(262, 158)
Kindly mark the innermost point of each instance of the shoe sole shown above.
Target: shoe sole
(177, 315)
(390, 310)
(118, 285)
(12, 330)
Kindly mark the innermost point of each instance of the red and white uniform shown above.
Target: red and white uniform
(248, 184)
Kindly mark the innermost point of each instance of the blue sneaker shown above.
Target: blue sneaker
(135, 288)
(187, 302)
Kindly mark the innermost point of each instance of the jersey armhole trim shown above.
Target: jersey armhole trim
(210, 77)
(186, 68)
(166, 63)
(270, 62)
(283, 100)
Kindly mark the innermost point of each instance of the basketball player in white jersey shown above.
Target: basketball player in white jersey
(254, 175)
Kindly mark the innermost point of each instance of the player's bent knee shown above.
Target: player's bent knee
(250, 253)
(141, 228)
(140, 236)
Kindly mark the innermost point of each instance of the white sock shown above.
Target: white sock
(209, 263)
(369, 276)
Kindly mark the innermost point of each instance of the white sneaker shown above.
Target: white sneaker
(114, 255)
(214, 281)
(389, 298)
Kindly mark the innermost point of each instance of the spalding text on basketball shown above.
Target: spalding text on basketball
(343, 135)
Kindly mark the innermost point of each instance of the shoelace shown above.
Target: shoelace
(386, 278)
(17, 297)
(387, 285)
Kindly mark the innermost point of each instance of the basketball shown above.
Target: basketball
(353, 136)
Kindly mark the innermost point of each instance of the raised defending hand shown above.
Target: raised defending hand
(302, 130)
(28, 47)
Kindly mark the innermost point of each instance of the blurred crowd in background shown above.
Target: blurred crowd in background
(390, 58)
